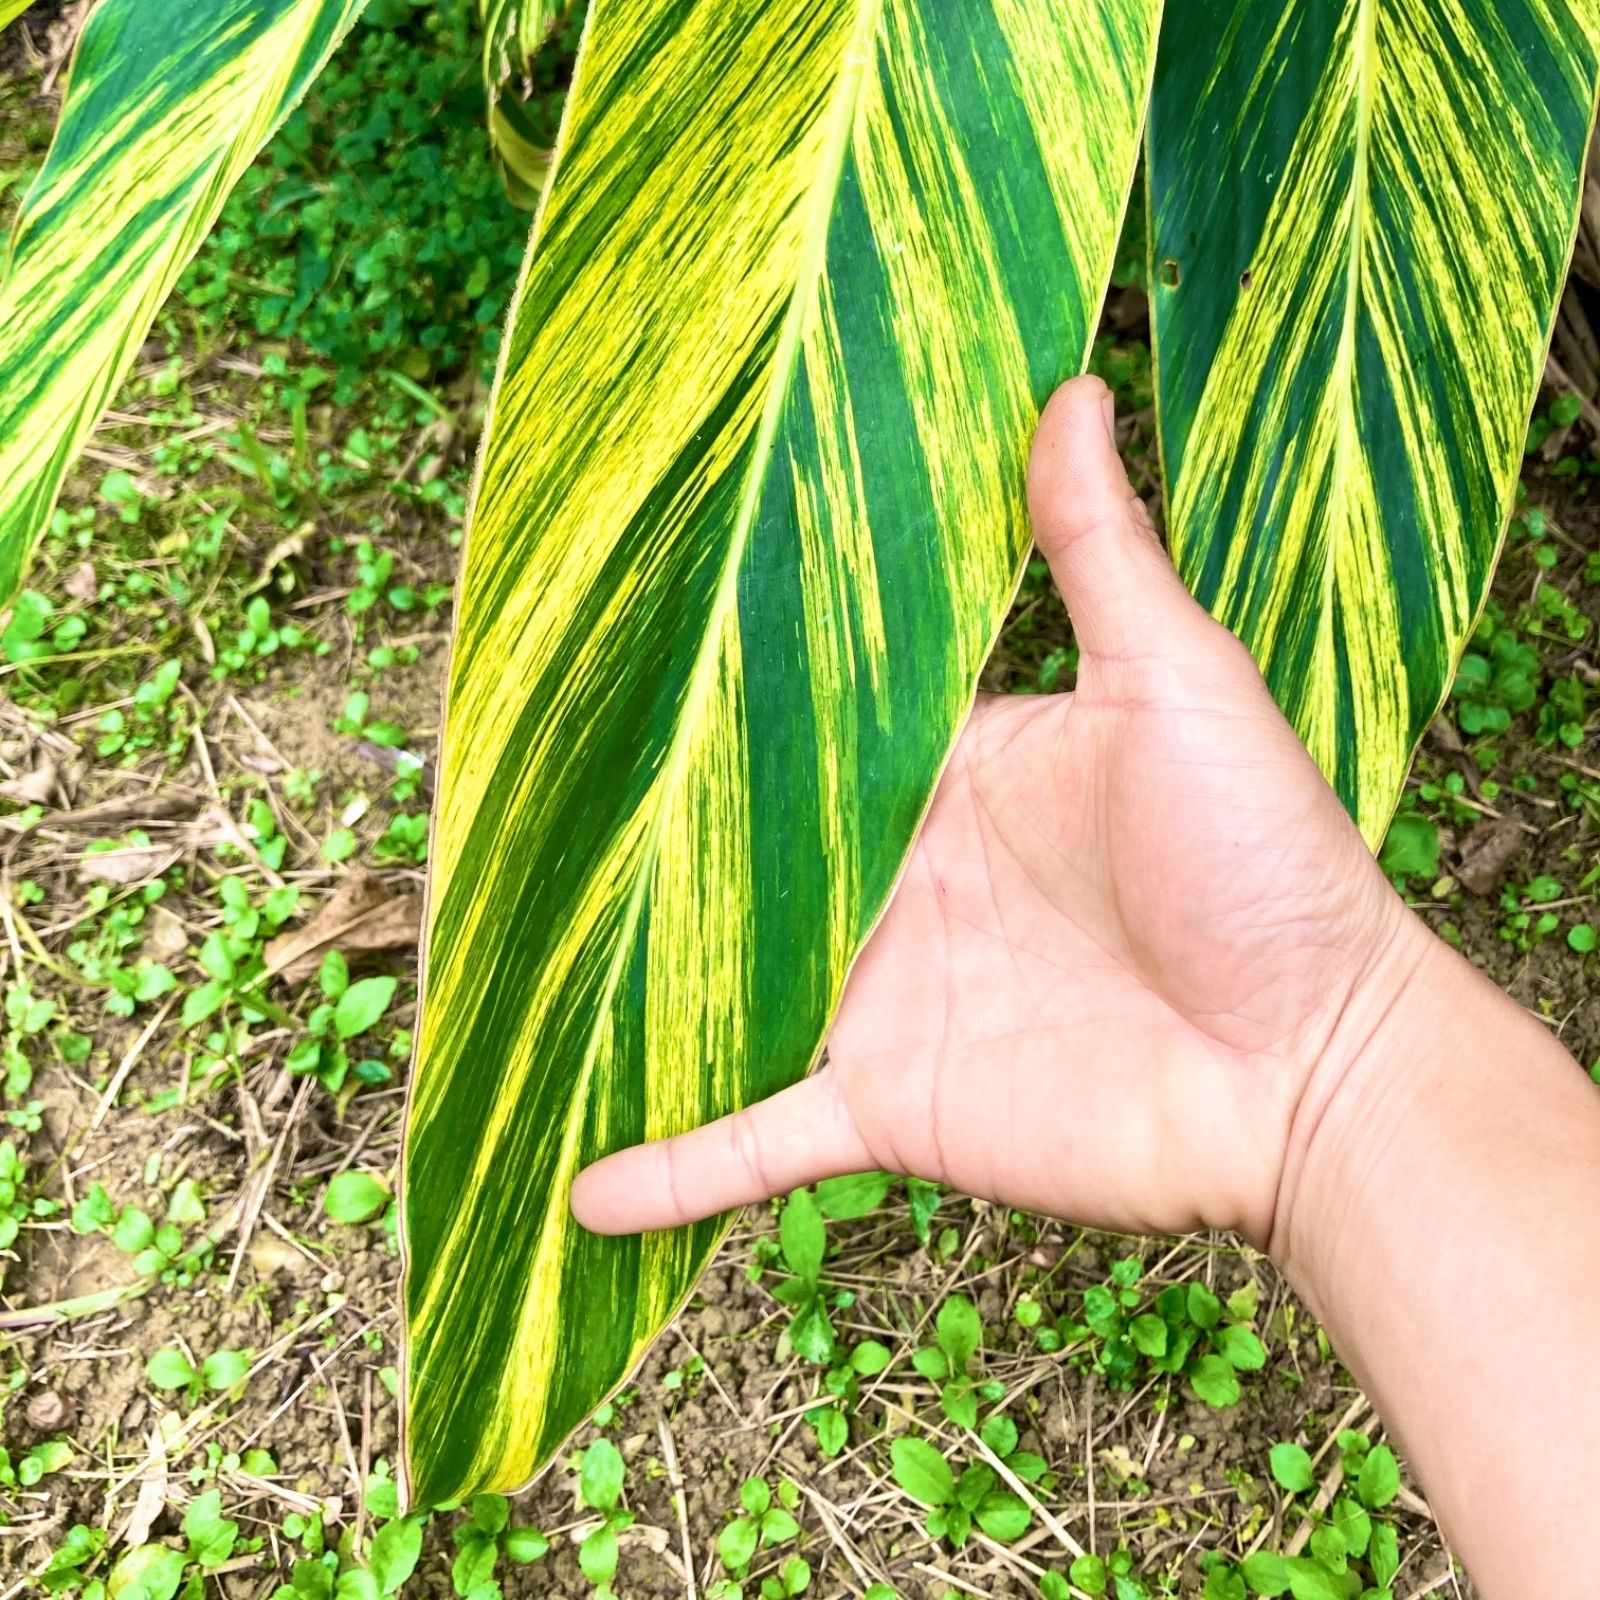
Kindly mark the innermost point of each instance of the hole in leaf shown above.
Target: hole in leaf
(1171, 273)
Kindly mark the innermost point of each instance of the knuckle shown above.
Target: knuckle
(1139, 516)
(672, 1178)
(1082, 528)
(748, 1149)
(1236, 652)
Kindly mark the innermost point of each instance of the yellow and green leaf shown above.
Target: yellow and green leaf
(514, 32)
(166, 107)
(10, 10)
(749, 515)
(1361, 213)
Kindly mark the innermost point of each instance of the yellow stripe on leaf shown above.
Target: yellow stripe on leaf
(748, 518)
(167, 104)
(1361, 214)
(514, 32)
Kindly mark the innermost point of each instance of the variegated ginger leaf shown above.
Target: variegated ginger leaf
(514, 32)
(1361, 215)
(750, 513)
(166, 106)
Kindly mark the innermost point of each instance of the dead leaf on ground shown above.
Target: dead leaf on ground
(35, 788)
(269, 1255)
(165, 937)
(361, 918)
(208, 648)
(151, 1500)
(641, 1535)
(291, 545)
(161, 805)
(82, 583)
(139, 862)
(129, 864)
(1488, 849)
(1128, 308)
(1442, 733)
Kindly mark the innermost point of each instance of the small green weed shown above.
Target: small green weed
(405, 839)
(348, 1010)
(16, 1205)
(256, 643)
(764, 1521)
(1353, 1548)
(107, 953)
(152, 1571)
(355, 722)
(482, 1538)
(958, 1335)
(343, 1570)
(156, 1250)
(34, 1464)
(956, 1505)
(1096, 1575)
(172, 1370)
(1000, 1434)
(802, 1247)
(33, 634)
(1411, 846)
(356, 1197)
(1523, 925)
(232, 958)
(600, 1481)
(1185, 1331)
(374, 228)
(152, 719)
(1498, 677)
(803, 1242)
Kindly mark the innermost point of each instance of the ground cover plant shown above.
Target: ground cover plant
(310, 698)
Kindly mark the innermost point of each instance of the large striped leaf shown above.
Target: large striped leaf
(514, 32)
(749, 516)
(167, 105)
(1361, 212)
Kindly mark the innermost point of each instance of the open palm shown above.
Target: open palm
(1135, 926)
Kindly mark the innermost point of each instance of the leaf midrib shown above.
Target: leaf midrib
(1348, 445)
(813, 255)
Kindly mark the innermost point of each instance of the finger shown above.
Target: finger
(798, 1136)
(1119, 586)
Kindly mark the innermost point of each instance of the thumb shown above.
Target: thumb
(800, 1135)
(1121, 590)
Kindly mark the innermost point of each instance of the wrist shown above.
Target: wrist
(1391, 1077)
(1441, 1179)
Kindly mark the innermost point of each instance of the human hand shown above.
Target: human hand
(1136, 947)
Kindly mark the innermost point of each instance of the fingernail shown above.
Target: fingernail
(1108, 407)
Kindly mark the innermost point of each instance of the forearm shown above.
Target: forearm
(1443, 1223)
